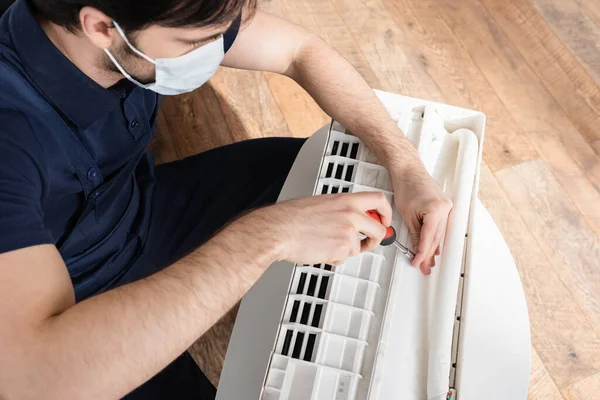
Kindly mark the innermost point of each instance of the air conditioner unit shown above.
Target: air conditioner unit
(375, 327)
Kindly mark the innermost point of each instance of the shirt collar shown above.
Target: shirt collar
(75, 94)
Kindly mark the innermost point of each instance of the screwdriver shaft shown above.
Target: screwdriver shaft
(405, 250)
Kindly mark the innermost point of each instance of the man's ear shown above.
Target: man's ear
(97, 26)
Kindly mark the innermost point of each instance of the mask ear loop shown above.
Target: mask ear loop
(136, 51)
(125, 74)
(116, 63)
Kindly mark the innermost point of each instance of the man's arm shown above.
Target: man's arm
(107, 345)
(272, 44)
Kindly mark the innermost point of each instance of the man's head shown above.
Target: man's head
(158, 28)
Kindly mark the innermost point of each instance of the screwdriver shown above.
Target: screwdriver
(390, 236)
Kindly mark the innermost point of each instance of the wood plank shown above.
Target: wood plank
(574, 90)
(460, 80)
(302, 114)
(592, 8)
(321, 18)
(572, 24)
(248, 104)
(586, 389)
(534, 108)
(580, 190)
(562, 283)
(397, 66)
(209, 351)
(559, 329)
(541, 385)
(189, 124)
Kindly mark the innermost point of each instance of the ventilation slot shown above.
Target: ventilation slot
(323, 287)
(329, 170)
(349, 172)
(335, 147)
(287, 341)
(310, 346)
(305, 314)
(301, 283)
(325, 189)
(298, 345)
(354, 151)
(344, 149)
(345, 189)
(317, 315)
(335, 189)
(312, 284)
(294, 313)
(339, 171)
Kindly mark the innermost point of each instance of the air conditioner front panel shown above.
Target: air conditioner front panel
(374, 327)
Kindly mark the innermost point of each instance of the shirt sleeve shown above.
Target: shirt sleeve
(231, 33)
(21, 185)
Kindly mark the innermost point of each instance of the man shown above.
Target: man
(111, 268)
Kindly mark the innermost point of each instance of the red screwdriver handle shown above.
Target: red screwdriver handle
(390, 232)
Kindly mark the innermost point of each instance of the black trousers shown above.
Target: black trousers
(194, 198)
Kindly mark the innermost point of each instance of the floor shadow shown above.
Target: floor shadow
(191, 123)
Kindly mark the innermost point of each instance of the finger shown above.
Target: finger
(439, 235)
(365, 201)
(355, 246)
(438, 251)
(426, 265)
(415, 234)
(374, 231)
(426, 238)
(425, 269)
(435, 244)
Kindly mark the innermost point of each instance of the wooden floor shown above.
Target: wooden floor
(533, 66)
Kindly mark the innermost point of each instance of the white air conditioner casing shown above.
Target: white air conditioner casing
(374, 327)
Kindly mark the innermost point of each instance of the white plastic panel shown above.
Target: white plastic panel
(495, 324)
(334, 315)
(364, 332)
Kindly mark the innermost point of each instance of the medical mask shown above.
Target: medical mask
(180, 74)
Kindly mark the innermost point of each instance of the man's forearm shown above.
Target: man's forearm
(109, 344)
(342, 93)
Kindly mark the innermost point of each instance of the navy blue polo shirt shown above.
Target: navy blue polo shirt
(44, 183)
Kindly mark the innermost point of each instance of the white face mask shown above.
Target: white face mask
(180, 74)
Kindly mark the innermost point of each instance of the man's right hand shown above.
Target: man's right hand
(325, 228)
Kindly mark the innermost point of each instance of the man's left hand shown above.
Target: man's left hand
(425, 210)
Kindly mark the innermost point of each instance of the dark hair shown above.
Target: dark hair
(135, 15)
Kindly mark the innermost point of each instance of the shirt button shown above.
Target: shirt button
(92, 174)
(135, 123)
(96, 195)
